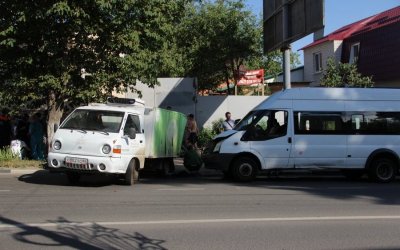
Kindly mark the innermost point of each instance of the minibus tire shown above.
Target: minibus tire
(131, 174)
(382, 170)
(73, 177)
(244, 169)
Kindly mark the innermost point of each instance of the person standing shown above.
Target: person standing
(192, 130)
(36, 137)
(5, 129)
(228, 123)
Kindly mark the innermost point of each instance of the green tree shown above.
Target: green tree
(59, 51)
(218, 37)
(344, 75)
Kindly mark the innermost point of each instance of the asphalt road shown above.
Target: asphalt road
(198, 211)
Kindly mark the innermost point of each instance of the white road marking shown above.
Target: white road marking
(180, 189)
(205, 221)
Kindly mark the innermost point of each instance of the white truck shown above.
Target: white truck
(119, 137)
(356, 130)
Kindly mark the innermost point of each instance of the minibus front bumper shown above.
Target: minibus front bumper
(218, 161)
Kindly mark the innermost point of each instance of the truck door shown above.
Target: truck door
(135, 146)
(272, 139)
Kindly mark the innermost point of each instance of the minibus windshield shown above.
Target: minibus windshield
(250, 118)
(94, 120)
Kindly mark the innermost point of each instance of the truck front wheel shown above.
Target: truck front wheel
(131, 174)
(244, 169)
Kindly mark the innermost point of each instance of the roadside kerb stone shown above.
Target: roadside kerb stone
(19, 171)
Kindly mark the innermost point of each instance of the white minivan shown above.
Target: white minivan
(356, 130)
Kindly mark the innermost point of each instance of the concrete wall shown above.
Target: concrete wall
(212, 108)
(327, 49)
(180, 95)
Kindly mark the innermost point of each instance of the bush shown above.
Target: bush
(7, 155)
(207, 134)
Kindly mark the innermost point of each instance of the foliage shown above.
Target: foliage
(79, 51)
(208, 133)
(205, 136)
(220, 37)
(344, 75)
(7, 155)
(17, 163)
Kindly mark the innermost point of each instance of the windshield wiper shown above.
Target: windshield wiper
(82, 131)
(103, 132)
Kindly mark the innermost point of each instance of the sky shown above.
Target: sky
(338, 13)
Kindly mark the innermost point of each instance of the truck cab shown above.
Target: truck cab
(101, 138)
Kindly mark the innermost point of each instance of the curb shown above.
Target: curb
(19, 171)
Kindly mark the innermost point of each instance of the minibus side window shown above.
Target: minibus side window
(376, 123)
(311, 122)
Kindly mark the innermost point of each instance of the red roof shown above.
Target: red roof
(364, 25)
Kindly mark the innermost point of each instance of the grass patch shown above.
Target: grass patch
(10, 160)
(7, 155)
(17, 163)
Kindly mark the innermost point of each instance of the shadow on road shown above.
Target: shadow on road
(80, 236)
(44, 177)
(325, 184)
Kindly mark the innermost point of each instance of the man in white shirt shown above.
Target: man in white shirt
(228, 124)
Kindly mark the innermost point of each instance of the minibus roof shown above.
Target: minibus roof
(281, 99)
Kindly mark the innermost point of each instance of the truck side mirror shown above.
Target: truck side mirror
(55, 128)
(131, 133)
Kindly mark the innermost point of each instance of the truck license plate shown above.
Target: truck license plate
(73, 160)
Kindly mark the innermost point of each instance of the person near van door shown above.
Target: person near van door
(36, 134)
(228, 123)
(191, 130)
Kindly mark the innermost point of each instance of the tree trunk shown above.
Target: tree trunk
(55, 112)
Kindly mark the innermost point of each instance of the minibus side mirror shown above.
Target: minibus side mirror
(55, 128)
(237, 121)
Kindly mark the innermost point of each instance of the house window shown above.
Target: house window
(354, 52)
(317, 62)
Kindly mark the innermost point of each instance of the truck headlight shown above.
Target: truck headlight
(106, 149)
(57, 145)
(217, 147)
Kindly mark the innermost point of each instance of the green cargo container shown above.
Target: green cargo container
(164, 131)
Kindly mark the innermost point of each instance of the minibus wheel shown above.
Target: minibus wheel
(244, 169)
(73, 177)
(131, 174)
(382, 170)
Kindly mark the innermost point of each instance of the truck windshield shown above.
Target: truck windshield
(94, 120)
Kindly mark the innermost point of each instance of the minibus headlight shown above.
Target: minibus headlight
(217, 147)
(57, 145)
(106, 149)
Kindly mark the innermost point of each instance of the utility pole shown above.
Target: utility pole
(286, 48)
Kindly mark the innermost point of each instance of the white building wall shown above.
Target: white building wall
(180, 95)
(212, 108)
(327, 49)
